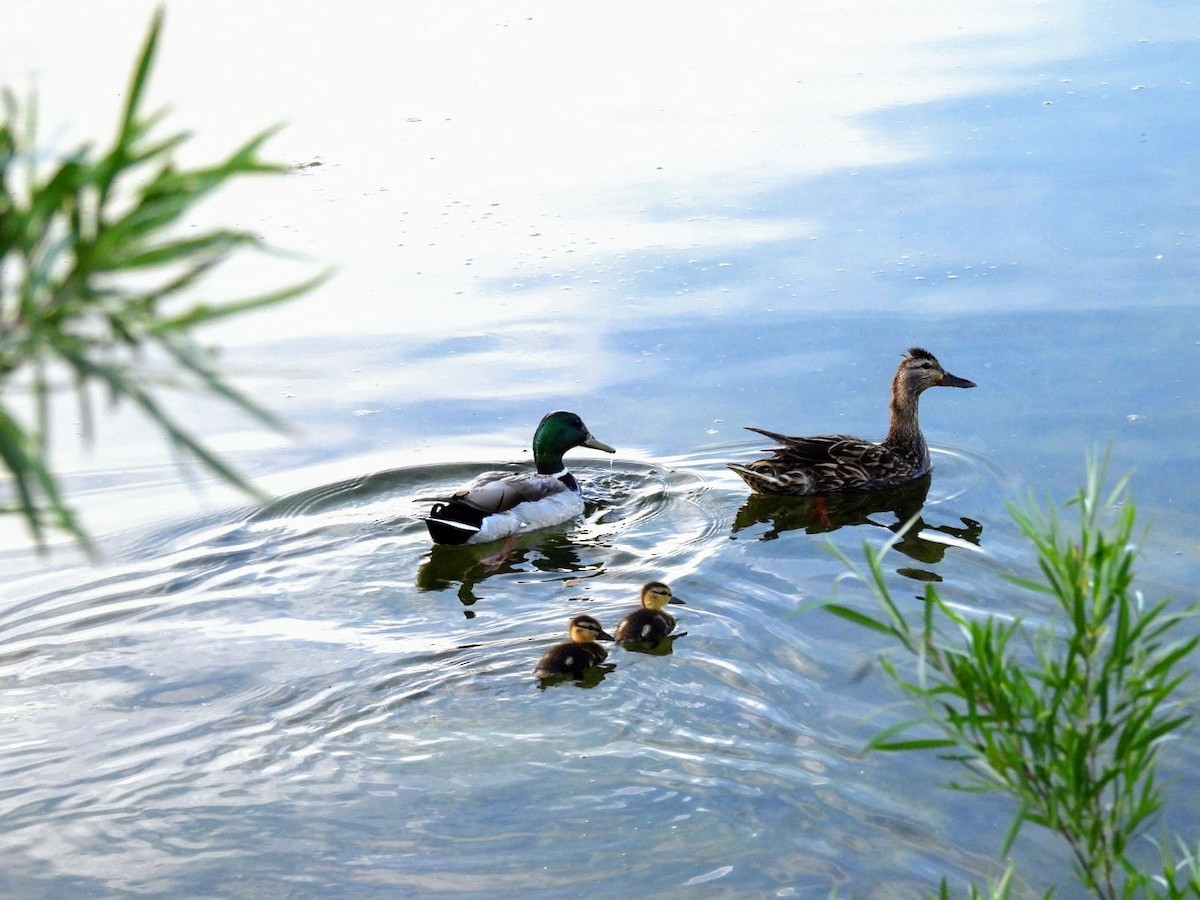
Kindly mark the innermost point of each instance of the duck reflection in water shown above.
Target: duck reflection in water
(578, 659)
(468, 565)
(648, 628)
(820, 514)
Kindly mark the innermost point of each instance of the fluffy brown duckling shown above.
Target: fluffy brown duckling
(576, 656)
(650, 623)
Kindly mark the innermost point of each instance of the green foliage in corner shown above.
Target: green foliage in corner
(97, 279)
(1069, 718)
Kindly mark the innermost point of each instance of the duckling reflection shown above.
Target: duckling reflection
(821, 514)
(646, 629)
(575, 657)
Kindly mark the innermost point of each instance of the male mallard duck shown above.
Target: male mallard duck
(835, 462)
(577, 655)
(649, 624)
(497, 505)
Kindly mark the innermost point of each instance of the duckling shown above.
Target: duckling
(836, 462)
(577, 655)
(497, 505)
(649, 624)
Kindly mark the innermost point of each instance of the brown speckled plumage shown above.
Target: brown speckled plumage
(830, 463)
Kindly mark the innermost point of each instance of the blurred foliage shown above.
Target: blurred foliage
(96, 285)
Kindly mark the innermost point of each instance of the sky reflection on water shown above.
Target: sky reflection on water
(677, 226)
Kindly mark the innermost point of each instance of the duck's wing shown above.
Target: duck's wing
(809, 451)
(856, 463)
(496, 492)
(628, 627)
(820, 464)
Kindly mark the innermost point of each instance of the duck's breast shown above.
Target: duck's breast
(553, 508)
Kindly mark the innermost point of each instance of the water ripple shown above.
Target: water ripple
(317, 656)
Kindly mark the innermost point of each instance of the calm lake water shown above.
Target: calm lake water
(675, 227)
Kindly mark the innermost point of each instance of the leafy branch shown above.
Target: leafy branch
(94, 277)
(1069, 720)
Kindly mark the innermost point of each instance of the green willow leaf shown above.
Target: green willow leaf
(858, 618)
(915, 744)
(204, 314)
(169, 252)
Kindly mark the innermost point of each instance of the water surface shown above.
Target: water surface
(675, 229)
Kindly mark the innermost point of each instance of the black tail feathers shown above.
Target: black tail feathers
(453, 523)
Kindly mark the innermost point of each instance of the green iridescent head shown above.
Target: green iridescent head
(557, 433)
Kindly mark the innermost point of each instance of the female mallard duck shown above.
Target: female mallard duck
(835, 462)
(498, 505)
(577, 655)
(649, 624)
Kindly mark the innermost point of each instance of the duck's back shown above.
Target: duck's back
(829, 463)
(494, 492)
